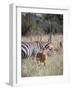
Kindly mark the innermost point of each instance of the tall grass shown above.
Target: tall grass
(54, 64)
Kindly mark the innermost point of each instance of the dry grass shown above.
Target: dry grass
(54, 64)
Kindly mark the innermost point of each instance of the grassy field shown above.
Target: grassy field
(54, 64)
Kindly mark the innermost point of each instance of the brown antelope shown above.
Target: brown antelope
(54, 49)
(42, 56)
(51, 48)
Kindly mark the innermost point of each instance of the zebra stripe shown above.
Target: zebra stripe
(24, 50)
(23, 54)
(31, 48)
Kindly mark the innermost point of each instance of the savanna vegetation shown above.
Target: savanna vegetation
(42, 28)
(41, 24)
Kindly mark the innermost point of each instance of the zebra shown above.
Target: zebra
(26, 49)
(31, 48)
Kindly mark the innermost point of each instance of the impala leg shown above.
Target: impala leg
(44, 63)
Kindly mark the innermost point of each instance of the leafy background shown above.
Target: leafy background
(35, 23)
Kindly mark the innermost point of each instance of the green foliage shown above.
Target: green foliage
(43, 23)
